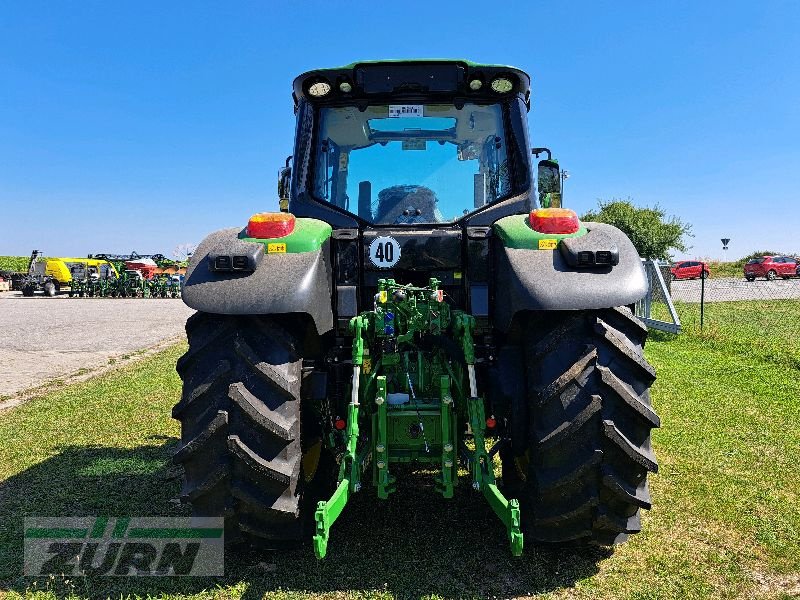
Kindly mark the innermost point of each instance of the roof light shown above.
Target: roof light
(502, 85)
(475, 85)
(319, 89)
(345, 87)
(270, 225)
(554, 220)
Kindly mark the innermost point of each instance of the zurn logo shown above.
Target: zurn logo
(124, 546)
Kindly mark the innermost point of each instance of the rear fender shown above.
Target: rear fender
(285, 283)
(531, 279)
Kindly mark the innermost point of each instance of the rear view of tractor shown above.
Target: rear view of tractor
(415, 306)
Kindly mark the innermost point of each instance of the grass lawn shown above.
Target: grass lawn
(719, 269)
(725, 522)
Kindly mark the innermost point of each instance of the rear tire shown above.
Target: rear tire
(27, 291)
(240, 424)
(49, 289)
(589, 427)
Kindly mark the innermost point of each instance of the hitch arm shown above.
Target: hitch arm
(350, 471)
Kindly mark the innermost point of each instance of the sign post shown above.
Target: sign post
(725, 242)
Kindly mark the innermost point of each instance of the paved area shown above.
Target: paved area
(42, 339)
(729, 289)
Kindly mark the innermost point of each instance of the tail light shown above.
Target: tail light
(554, 220)
(270, 225)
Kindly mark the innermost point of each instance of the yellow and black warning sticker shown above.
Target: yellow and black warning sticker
(548, 244)
(276, 248)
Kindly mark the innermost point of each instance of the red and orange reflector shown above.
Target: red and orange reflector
(491, 423)
(554, 220)
(340, 424)
(270, 225)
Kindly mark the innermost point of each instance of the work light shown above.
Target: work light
(319, 89)
(502, 85)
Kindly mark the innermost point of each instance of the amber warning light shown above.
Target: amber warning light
(554, 220)
(270, 225)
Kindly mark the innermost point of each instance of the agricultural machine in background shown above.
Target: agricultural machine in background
(53, 274)
(105, 275)
(410, 310)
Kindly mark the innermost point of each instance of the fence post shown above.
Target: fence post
(702, 298)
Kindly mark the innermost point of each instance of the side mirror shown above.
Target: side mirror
(549, 183)
(284, 183)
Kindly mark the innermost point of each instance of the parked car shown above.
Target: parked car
(689, 269)
(771, 267)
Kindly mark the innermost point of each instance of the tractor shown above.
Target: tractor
(420, 306)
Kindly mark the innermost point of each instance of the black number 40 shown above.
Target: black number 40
(385, 252)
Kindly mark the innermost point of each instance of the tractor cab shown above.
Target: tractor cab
(411, 143)
(411, 163)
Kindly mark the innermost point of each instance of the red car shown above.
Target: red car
(689, 269)
(771, 267)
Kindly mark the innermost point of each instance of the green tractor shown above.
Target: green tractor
(414, 311)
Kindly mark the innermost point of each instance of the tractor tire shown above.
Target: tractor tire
(240, 425)
(27, 291)
(589, 423)
(49, 289)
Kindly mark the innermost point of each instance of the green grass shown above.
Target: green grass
(725, 524)
(766, 331)
(719, 269)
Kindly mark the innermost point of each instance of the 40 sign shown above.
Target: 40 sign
(124, 546)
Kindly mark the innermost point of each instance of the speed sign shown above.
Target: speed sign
(384, 252)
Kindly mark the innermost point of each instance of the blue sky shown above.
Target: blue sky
(142, 125)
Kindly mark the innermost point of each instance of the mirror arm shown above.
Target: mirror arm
(537, 151)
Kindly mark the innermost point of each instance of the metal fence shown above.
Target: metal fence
(751, 310)
(656, 309)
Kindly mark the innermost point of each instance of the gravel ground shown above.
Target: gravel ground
(729, 289)
(42, 339)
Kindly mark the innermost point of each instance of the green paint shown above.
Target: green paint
(509, 513)
(483, 479)
(383, 479)
(445, 481)
(357, 324)
(515, 232)
(99, 527)
(425, 427)
(350, 470)
(120, 527)
(308, 236)
(327, 512)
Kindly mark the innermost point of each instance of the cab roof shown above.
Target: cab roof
(429, 77)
